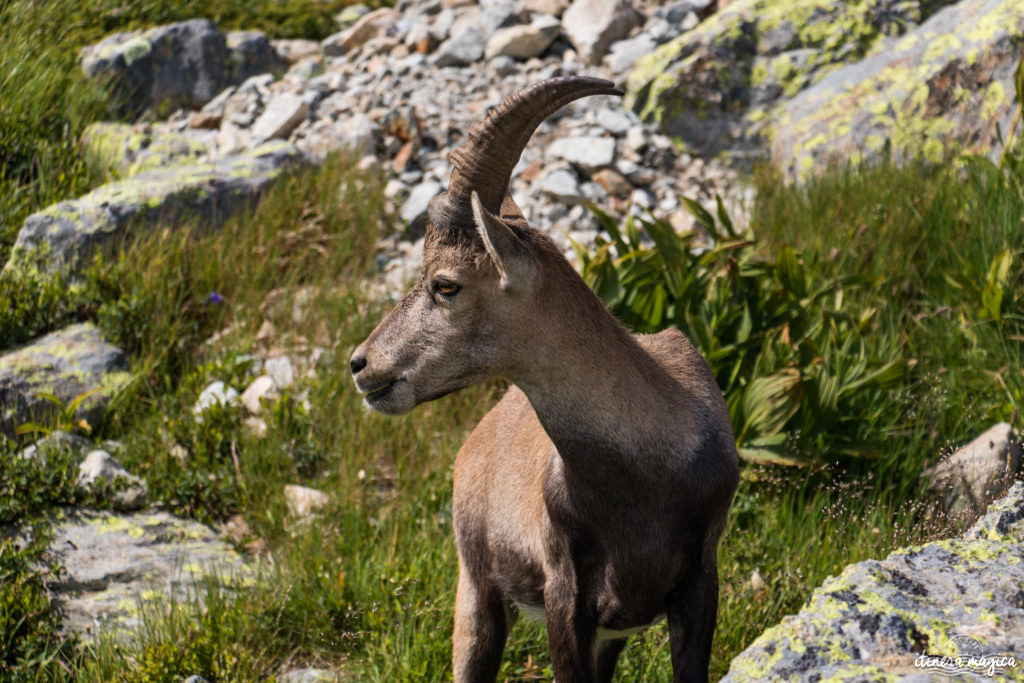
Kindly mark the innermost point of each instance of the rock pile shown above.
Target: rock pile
(400, 87)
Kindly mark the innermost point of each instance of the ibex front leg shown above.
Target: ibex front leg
(481, 627)
(570, 633)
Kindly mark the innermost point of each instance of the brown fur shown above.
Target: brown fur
(597, 488)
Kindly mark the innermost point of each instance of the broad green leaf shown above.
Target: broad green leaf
(769, 401)
(791, 272)
(77, 401)
(701, 214)
(610, 225)
(723, 217)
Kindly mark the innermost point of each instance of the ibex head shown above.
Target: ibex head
(471, 314)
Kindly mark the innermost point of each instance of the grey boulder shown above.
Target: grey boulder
(593, 25)
(208, 193)
(179, 65)
(100, 466)
(118, 563)
(895, 618)
(65, 364)
(975, 474)
(947, 85)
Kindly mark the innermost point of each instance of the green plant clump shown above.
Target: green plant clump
(824, 340)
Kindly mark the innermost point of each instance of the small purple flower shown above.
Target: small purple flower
(215, 298)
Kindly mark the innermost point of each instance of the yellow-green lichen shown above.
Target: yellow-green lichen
(128, 606)
(995, 99)
(136, 49)
(111, 524)
(860, 672)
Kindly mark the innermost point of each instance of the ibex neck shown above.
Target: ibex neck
(599, 395)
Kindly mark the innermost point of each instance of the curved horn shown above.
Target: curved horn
(485, 163)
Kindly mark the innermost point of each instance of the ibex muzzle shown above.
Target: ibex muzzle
(595, 492)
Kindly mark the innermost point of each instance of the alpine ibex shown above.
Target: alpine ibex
(594, 493)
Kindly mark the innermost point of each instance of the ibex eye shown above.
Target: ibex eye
(446, 287)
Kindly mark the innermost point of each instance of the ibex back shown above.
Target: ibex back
(594, 494)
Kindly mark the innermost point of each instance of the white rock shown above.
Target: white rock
(466, 41)
(369, 164)
(561, 185)
(216, 393)
(614, 121)
(306, 69)
(231, 138)
(524, 41)
(369, 26)
(394, 188)
(624, 54)
(978, 472)
(216, 105)
(415, 207)
(642, 198)
(589, 153)
(295, 50)
(280, 117)
(358, 133)
(593, 25)
(442, 25)
(100, 464)
(262, 387)
(418, 33)
(636, 138)
(280, 370)
(553, 7)
(496, 14)
(303, 501)
(309, 676)
(501, 66)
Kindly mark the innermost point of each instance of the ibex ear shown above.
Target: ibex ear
(510, 257)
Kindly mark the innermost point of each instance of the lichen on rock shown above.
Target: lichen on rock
(178, 65)
(711, 86)
(66, 364)
(116, 562)
(877, 618)
(945, 86)
(207, 193)
(121, 150)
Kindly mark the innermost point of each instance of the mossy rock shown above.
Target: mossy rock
(957, 597)
(185, 64)
(947, 86)
(122, 150)
(117, 564)
(109, 216)
(712, 86)
(66, 364)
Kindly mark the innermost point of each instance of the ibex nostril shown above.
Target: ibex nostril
(357, 363)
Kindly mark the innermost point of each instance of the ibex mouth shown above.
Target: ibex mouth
(380, 391)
